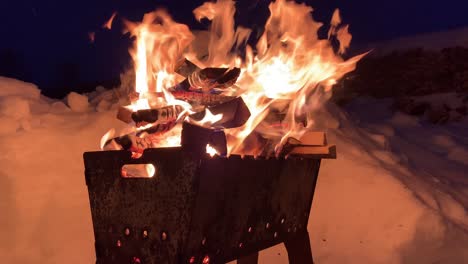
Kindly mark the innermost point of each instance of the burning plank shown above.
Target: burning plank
(145, 116)
(139, 141)
(309, 145)
(234, 113)
(196, 138)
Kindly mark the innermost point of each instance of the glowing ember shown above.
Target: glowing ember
(290, 70)
(210, 150)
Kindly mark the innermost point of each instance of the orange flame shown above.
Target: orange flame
(108, 24)
(290, 70)
(210, 150)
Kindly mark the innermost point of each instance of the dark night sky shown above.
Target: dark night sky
(46, 41)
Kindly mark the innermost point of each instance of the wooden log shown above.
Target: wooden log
(186, 67)
(195, 139)
(149, 116)
(234, 113)
(164, 114)
(139, 141)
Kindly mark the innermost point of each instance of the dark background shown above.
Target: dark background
(46, 41)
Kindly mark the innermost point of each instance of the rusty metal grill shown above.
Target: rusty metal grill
(197, 208)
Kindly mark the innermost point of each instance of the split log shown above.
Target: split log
(195, 139)
(210, 78)
(149, 116)
(186, 67)
(234, 113)
(163, 114)
(141, 140)
(197, 98)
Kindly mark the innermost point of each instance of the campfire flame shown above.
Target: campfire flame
(290, 69)
(210, 150)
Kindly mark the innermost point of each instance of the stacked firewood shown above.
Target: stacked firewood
(203, 90)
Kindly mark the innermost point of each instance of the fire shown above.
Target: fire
(290, 70)
(108, 24)
(210, 150)
(109, 134)
(208, 119)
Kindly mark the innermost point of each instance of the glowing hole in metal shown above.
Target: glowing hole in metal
(138, 171)
(163, 236)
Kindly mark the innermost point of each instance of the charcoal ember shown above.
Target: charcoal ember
(195, 138)
(195, 98)
(163, 114)
(235, 113)
(198, 98)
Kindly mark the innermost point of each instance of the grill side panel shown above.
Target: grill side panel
(141, 220)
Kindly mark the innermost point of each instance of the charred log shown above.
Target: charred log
(139, 141)
(235, 113)
(195, 138)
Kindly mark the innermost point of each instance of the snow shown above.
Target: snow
(77, 102)
(397, 193)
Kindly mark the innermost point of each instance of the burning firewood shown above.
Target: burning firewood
(148, 116)
(163, 114)
(234, 113)
(211, 78)
(142, 139)
(186, 67)
(196, 139)
(197, 98)
(311, 143)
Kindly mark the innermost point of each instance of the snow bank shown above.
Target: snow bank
(10, 87)
(77, 102)
(391, 196)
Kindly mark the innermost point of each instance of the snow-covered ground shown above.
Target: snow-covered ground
(397, 193)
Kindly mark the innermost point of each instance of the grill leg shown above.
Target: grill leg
(299, 250)
(250, 259)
